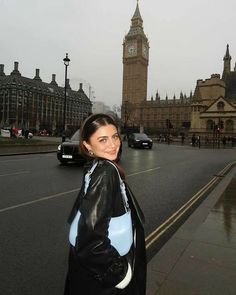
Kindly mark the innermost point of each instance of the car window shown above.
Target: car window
(75, 136)
(141, 136)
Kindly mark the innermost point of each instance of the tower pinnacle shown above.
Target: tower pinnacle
(136, 27)
(227, 63)
(137, 14)
(227, 55)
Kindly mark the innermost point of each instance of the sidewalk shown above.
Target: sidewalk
(47, 145)
(200, 258)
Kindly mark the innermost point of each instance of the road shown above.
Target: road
(36, 195)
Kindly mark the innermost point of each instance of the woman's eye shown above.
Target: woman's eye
(103, 140)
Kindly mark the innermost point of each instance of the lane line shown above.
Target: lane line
(14, 173)
(60, 194)
(144, 171)
(39, 200)
(159, 231)
(5, 161)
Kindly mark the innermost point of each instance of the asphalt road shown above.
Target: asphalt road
(36, 195)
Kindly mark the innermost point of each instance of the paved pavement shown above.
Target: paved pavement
(200, 258)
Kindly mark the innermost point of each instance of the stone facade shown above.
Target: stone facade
(35, 105)
(212, 112)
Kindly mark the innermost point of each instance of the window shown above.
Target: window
(220, 106)
(210, 125)
(229, 125)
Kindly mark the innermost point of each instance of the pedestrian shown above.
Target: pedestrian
(194, 139)
(97, 264)
(224, 141)
(26, 133)
(199, 141)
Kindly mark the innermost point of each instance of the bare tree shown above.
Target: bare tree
(127, 109)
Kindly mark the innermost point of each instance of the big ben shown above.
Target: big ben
(135, 65)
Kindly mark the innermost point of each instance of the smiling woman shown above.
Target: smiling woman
(104, 143)
(103, 259)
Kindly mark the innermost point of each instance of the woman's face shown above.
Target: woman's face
(104, 143)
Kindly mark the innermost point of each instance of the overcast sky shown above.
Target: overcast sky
(187, 41)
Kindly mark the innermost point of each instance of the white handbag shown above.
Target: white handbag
(120, 231)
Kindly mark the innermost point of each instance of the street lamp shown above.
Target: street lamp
(66, 63)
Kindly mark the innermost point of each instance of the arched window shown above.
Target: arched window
(220, 106)
(229, 125)
(209, 125)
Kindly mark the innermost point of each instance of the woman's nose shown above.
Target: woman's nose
(112, 142)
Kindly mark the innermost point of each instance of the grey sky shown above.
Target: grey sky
(187, 41)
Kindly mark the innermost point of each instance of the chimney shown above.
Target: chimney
(81, 87)
(53, 82)
(2, 70)
(16, 71)
(37, 77)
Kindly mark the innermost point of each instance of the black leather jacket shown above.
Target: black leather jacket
(102, 201)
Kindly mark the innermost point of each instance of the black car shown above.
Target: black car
(139, 140)
(68, 150)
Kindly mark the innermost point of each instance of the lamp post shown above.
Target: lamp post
(66, 63)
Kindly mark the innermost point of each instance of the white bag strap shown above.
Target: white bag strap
(122, 188)
(87, 177)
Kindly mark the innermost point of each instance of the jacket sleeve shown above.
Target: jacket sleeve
(93, 246)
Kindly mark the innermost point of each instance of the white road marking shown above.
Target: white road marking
(39, 200)
(15, 160)
(14, 173)
(62, 194)
(144, 171)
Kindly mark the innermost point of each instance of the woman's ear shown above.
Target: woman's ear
(87, 145)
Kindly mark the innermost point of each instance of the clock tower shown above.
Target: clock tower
(135, 64)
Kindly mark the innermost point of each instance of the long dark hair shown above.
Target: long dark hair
(89, 127)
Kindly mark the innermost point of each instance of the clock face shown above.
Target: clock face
(131, 50)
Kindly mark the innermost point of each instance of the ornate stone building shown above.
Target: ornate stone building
(214, 105)
(34, 104)
(153, 115)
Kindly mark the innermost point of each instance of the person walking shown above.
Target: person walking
(98, 262)
(224, 141)
(194, 139)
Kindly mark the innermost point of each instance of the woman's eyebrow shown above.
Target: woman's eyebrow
(103, 136)
(106, 136)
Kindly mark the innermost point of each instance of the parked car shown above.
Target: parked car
(139, 140)
(68, 151)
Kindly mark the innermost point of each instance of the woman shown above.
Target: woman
(95, 265)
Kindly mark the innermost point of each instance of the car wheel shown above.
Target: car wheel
(150, 147)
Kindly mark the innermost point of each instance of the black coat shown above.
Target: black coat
(95, 266)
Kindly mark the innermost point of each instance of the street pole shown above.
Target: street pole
(66, 63)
